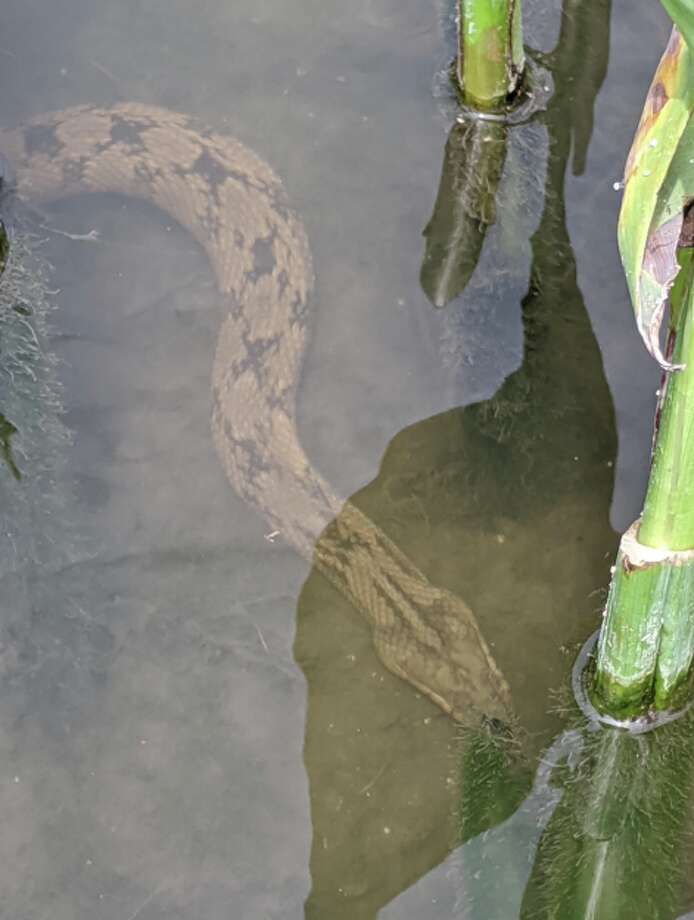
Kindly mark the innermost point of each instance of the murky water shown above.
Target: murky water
(195, 724)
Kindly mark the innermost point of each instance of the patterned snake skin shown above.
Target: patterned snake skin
(235, 207)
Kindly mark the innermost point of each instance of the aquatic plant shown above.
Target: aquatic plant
(33, 436)
(647, 641)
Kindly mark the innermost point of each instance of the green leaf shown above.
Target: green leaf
(659, 186)
(682, 14)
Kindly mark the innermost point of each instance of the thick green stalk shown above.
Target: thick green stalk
(668, 515)
(647, 641)
(490, 53)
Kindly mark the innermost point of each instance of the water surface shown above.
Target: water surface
(194, 723)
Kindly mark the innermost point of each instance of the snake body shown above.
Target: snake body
(235, 207)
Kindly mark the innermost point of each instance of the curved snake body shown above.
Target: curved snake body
(235, 207)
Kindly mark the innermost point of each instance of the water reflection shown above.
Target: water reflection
(465, 207)
(505, 502)
(615, 845)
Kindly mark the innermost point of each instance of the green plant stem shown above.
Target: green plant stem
(490, 55)
(668, 514)
(647, 641)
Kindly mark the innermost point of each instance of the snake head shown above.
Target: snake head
(438, 647)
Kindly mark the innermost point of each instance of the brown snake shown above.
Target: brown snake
(235, 207)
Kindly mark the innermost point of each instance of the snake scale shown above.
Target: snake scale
(235, 207)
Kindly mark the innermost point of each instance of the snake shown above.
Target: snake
(235, 206)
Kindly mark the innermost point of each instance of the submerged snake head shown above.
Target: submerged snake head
(425, 634)
(443, 653)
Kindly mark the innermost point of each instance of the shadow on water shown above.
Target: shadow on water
(505, 502)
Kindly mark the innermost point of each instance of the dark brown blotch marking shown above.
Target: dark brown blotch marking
(254, 356)
(657, 97)
(42, 139)
(214, 172)
(129, 131)
(263, 252)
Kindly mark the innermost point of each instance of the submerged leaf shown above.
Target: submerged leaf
(659, 186)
